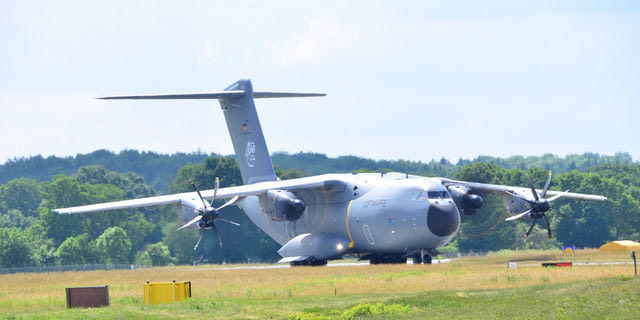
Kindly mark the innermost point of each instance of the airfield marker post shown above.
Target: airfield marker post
(635, 266)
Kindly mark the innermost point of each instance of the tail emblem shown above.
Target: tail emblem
(250, 153)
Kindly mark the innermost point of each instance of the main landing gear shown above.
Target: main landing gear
(419, 258)
(386, 259)
(310, 263)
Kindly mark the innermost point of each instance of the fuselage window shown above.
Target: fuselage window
(424, 195)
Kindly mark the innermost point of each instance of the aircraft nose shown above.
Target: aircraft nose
(443, 219)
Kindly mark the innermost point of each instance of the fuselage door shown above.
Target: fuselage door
(367, 234)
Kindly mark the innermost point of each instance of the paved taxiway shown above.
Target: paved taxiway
(285, 266)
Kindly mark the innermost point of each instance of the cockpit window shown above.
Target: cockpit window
(438, 194)
(424, 195)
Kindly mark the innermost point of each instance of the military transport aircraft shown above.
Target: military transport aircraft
(383, 217)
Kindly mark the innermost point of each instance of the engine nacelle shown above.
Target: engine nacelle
(516, 205)
(282, 205)
(467, 203)
(187, 209)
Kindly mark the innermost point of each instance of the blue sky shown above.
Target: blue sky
(416, 80)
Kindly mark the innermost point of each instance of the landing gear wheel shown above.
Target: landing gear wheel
(427, 258)
(317, 263)
(311, 263)
(417, 259)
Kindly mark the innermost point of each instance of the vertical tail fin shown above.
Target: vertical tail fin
(244, 127)
(246, 134)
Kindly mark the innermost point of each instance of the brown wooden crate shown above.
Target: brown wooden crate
(87, 297)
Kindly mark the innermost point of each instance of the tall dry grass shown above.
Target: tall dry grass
(23, 293)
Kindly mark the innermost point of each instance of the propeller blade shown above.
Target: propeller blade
(546, 186)
(196, 219)
(228, 221)
(538, 206)
(557, 196)
(199, 238)
(560, 213)
(206, 204)
(533, 224)
(548, 226)
(518, 216)
(215, 190)
(533, 189)
(230, 202)
(213, 226)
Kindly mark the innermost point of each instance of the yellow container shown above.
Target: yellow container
(163, 292)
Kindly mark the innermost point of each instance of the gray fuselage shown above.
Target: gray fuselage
(383, 213)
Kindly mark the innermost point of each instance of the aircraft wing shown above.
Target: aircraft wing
(486, 187)
(326, 181)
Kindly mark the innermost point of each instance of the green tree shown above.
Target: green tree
(143, 259)
(181, 242)
(131, 184)
(42, 247)
(289, 173)
(63, 192)
(160, 254)
(594, 223)
(185, 174)
(135, 222)
(15, 249)
(75, 250)
(139, 229)
(21, 194)
(15, 219)
(114, 246)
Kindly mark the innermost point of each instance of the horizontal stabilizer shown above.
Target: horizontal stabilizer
(259, 95)
(169, 96)
(214, 95)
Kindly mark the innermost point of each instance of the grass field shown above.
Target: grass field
(470, 287)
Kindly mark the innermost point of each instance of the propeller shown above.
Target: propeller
(208, 214)
(538, 206)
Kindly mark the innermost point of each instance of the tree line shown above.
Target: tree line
(157, 169)
(30, 234)
(587, 223)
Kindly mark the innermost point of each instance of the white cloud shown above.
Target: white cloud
(322, 38)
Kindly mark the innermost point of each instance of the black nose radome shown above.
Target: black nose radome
(443, 219)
